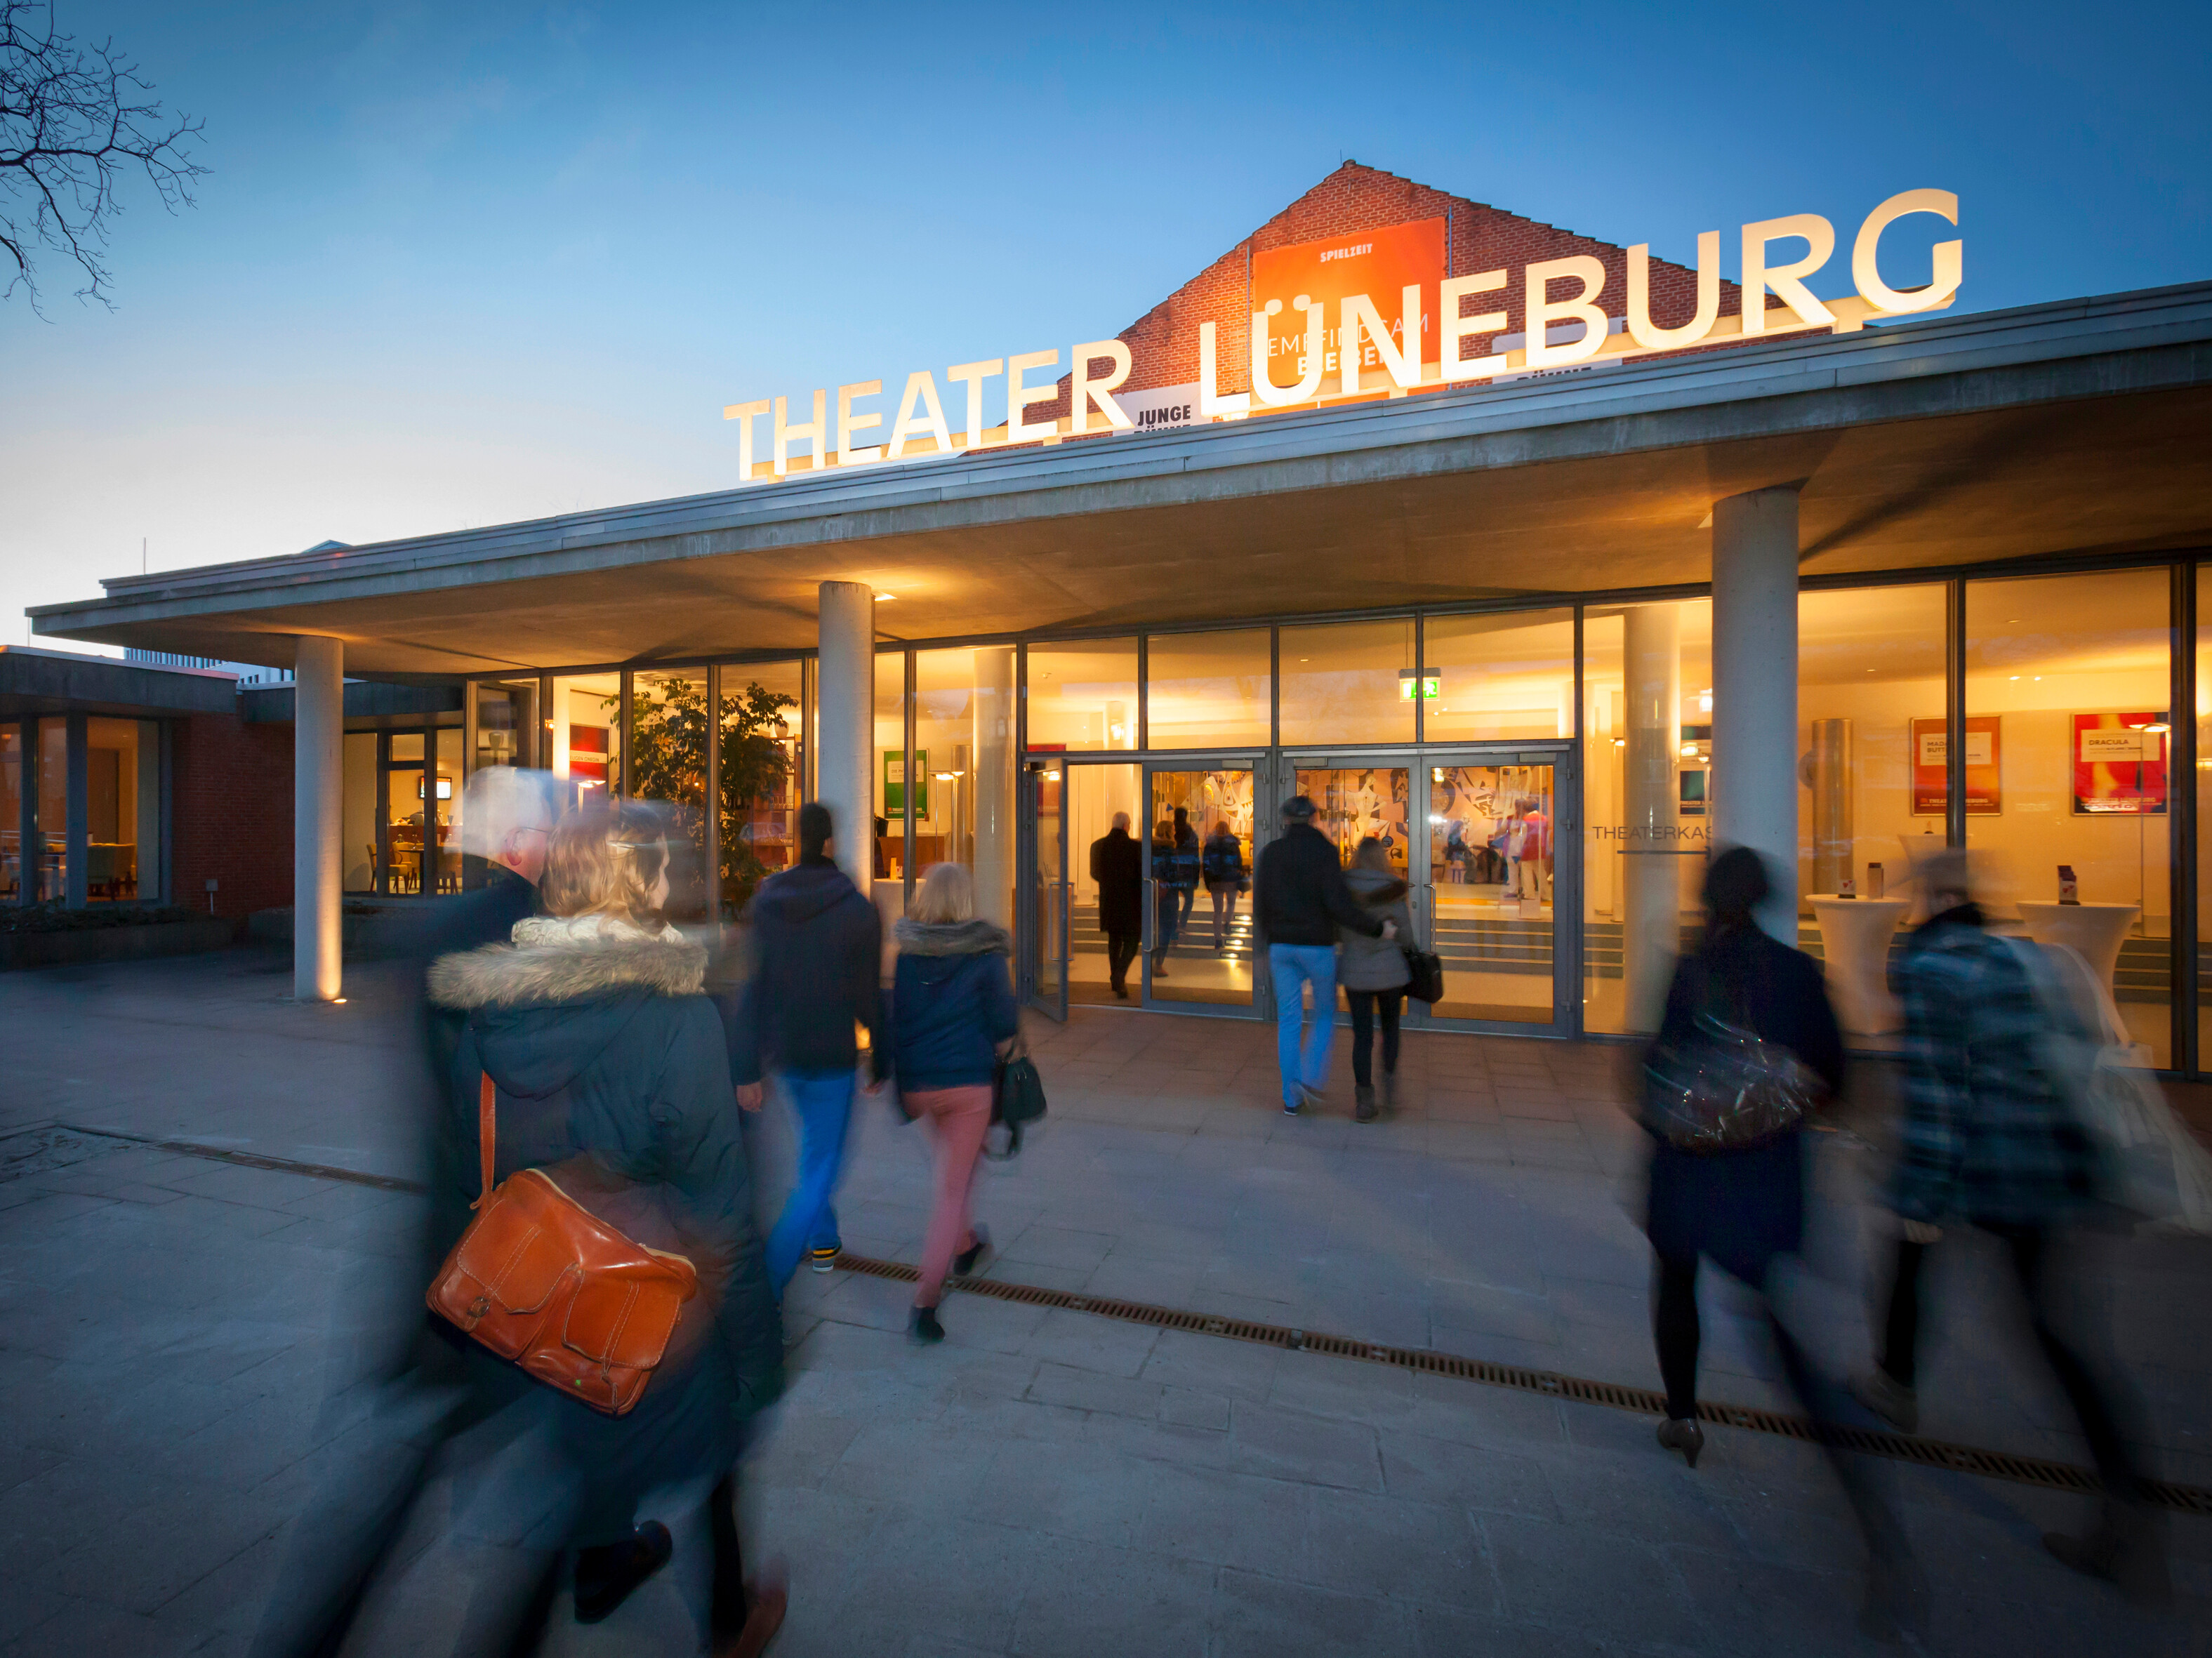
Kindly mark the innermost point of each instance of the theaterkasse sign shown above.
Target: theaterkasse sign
(1369, 314)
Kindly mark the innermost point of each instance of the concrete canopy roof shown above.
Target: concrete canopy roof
(36, 682)
(2073, 428)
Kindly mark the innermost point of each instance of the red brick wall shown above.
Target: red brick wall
(1163, 342)
(231, 813)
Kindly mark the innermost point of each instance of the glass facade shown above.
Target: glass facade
(1519, 781)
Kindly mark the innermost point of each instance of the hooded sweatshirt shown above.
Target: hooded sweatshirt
(952, 1003)
(816, 955)
(609, 1068)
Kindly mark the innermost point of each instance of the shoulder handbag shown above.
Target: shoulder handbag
(1725, 1087)
(1016, 1097)
(540, 1280)
(1425, 971)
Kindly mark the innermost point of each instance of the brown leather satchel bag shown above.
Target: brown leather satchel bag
(541, 1280)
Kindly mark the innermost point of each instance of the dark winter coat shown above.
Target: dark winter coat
(1300, 897)
(609, 1065)
(1377, 963)
(1743, 1208)
(1117, 864)
(815, 954)
(1987, 1134)
(1224, 862)
(952, 1003)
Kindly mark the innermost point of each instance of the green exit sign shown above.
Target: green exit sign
(1429, 682)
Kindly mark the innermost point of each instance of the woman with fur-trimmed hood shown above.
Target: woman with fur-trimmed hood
(612, 1074)
(952, 1015)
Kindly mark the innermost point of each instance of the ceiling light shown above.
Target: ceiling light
(885, 599)
(1689, 750)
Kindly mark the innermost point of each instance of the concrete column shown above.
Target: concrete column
(76, 840)
(318, 801)
(994, 752)
(1755, 691)
(844, 732)
(1651, 878)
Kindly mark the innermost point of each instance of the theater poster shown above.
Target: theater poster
(2120, 765)
(1931, 796)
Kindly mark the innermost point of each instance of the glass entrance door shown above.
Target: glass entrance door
(1493, 884)
(1044, 834)
(1198, 828)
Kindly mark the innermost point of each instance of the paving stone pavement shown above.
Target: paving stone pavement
(1046, 1482)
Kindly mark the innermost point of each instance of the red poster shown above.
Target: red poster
(1931, 793)
(1376, 263)
(2119, 764)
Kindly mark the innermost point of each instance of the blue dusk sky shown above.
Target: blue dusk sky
(459, 265)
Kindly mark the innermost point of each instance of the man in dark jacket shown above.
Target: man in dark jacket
(1117, 864)
(815, 952)
(1299, 902)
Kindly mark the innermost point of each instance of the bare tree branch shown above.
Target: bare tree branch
(76, 122)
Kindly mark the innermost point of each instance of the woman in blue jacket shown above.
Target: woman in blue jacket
(952, 1015)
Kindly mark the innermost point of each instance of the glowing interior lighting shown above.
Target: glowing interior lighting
(1689, 749)
(885, 599)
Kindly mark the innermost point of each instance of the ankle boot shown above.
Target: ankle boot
(1363, 1102)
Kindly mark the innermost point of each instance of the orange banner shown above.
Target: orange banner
(1376, 262)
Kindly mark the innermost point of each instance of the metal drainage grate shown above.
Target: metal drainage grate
(1641, 1401)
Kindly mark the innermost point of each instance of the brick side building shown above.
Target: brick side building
(231, 792)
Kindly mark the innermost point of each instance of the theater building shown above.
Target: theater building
(1549, 564)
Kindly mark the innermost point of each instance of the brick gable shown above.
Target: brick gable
(1163, 342)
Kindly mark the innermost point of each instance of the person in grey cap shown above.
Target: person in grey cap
(1299, 900)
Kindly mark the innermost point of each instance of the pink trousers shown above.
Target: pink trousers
(960, 1117)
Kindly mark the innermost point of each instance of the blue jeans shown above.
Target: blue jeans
(823, 1105)
(1293, 967)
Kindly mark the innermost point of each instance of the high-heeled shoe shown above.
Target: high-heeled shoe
(1682, 1434)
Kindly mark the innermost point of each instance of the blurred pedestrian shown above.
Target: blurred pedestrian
(1187, 859)
(1374, 974)
(814, 954)
(952, 1017)
(1741, 1204)
(1223, 863)
(1299, 902)
(609, 1073)
(1990, 1139)
(1167, 914)
(1117, 866)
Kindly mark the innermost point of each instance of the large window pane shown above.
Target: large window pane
(1207, 690)
(891, 771)
(1499, 677)
(964, 758)
(583, 734)
(1083, 694)
(1350, 682)
(53, 808)
(111, 802)
(1647, 753)
(760, 739)
(2066, 686)
(357, 855)
(11, 812)
(666, 760)
(1870, 663)
(506, 722)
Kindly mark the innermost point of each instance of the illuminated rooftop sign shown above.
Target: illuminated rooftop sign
(1331, 341)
